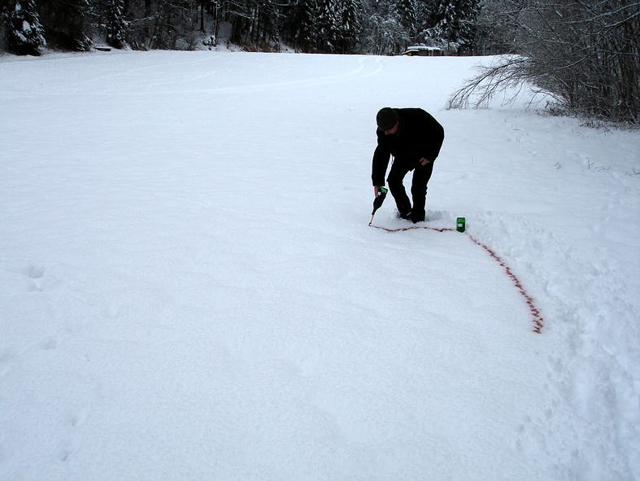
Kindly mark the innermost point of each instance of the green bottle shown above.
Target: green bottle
(460, 224)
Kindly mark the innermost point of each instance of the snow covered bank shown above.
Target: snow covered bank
(189, 289)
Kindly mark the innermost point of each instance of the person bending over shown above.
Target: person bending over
(414, 138)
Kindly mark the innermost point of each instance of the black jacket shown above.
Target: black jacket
(420, 135)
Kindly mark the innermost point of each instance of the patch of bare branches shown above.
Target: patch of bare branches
(585, 53)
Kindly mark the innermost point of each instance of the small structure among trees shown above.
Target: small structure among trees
(423, 51)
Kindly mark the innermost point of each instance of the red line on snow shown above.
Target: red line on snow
(536, 315)
(415, 227)
(538, 320)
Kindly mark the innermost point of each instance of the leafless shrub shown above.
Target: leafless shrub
(585, 53)
(509, 76)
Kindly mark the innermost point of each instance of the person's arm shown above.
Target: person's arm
(379, 165)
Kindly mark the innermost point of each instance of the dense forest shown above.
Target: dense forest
(584, 52)
(322, 26)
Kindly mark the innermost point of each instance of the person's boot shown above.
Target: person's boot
(417, 216)
(404, 215)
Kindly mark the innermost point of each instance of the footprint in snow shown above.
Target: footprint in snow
(435, 215)
(35, 271)
(48, 344)
(63, 455)
(77, 419)
(35, 274)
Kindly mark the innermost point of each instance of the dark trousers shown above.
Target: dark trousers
(421, 176)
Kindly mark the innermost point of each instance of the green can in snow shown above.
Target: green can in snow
(460, 224)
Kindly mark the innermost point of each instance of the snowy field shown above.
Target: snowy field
(189, 289)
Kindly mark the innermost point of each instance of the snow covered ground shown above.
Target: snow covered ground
(189, 289)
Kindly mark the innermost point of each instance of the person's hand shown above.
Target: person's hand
(376, 190)
(424, 161)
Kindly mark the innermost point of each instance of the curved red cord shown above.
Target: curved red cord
(536, 315)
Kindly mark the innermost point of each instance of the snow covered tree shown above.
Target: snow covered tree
(115, 23)
(256, 23)
(67, 23)
(299, 26)
(453, 24)
(585, 53)
(384, 35)
(316, 30)
(163, 24)
(328, 22)
(25, 35)
(407, 13)
(495, 31)
(383, 32)
(466, 25)
(265, 30)
(350, 26)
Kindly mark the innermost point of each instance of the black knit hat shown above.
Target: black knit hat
(387, 118)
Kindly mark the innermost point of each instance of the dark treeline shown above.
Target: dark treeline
(584, 52)
(322, 26)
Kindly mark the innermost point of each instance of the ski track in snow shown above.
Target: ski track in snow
(190, 289)
(206, 66)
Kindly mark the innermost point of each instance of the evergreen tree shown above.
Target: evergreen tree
(25, 35)
(424, 13)
(296, 26)
(115, 24)
(310, 30)
(350, 27)
(384, 35)
(383, 32)
(467, 19)
(454, 24)
(407, 14)
(67, 23)
(267, 32)
(328, 22)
